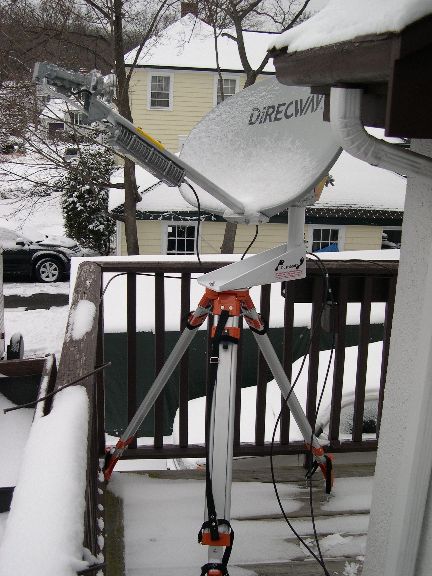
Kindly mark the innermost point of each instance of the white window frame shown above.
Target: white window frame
(76, 114)
(150, 75)
(341, 234)
(226, 76)
(164, 247)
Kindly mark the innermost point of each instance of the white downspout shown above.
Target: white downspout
(345, 113)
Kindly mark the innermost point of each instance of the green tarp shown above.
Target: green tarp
(116, 374)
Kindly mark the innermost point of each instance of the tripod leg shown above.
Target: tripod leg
(151, 396)
(284, 384)
(221, 439)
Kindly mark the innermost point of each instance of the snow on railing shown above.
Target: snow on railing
(55, 524)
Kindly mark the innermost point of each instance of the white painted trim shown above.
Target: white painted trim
(341, 235)
(170, 75)
(228, 76)
(164, 233)
(118, 238)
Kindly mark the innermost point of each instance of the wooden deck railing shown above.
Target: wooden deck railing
(81, 354)
(350, 281)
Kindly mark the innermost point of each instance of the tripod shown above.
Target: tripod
(226, 307)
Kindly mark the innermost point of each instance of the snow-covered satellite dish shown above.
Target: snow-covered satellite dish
(267, 146)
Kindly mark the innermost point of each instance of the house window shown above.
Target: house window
(229, 88)
(55, 130)
(181, 238)
(391, 237)
(324, 238)
(76, 118)
(160, 91)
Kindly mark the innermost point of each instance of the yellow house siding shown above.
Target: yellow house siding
(149, 237)
(212, 234)
(269, 236)
(150, 234)
(362, 238)
(192, 98)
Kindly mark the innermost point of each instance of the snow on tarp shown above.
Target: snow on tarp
(189, 43)
(343, 20)
(44, 532)
(115, 317)
(196, 409)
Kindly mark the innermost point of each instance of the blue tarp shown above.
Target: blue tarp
(331, 248)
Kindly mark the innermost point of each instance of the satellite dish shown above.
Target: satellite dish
(267, 146)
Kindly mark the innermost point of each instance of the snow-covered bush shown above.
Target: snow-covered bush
(84, 192)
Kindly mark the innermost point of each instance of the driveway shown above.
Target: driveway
(35, 295)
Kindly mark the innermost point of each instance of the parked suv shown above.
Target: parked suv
(45, 260)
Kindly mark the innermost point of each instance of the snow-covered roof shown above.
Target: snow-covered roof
(357, 185)
(56, 109)
(360, 185)
(189, 43)
(344, 20)
(159, 198)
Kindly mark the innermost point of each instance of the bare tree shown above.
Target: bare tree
(231, 18)
(84, 34)
(117, 15)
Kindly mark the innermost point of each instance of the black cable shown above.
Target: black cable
(251, 243)
(310, 449)
(150, 274)
(328, 299)
(51, 394)
(199, 221)
(326, 293)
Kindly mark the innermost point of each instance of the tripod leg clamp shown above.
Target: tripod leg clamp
(225, 539)
(213, 569)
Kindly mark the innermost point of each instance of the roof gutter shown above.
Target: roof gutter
(345, 118)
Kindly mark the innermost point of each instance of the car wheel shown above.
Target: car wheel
(48, 270)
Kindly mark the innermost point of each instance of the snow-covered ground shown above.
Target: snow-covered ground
(158, 546)
(21, 208)
(147, 542)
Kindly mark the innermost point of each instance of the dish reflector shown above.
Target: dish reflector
(267, 146)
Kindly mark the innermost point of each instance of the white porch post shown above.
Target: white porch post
(400, 532)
